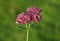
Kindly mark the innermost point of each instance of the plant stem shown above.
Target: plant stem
(27, 37)
(27, 33)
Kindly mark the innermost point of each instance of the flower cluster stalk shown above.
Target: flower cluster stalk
(27, 32)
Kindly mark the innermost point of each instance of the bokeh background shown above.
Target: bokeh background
(48, 29)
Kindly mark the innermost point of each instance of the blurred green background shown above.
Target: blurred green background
(48, 29)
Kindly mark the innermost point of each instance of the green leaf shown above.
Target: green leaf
(33, 25)
(21, 27)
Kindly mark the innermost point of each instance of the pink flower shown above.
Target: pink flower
(34, 16)
(23, 18)
(34, 10)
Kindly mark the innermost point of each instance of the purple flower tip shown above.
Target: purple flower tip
(34, 10)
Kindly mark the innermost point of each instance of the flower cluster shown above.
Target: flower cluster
(31, 14)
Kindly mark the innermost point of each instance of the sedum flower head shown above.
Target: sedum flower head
(23, 18)
(32, 14)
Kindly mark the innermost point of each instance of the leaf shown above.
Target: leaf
(21, 27)
(33, 24)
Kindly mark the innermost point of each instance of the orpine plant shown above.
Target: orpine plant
(32, 14)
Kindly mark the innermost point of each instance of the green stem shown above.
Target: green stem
(27, 37)
(27, 33)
